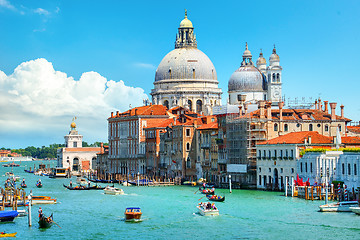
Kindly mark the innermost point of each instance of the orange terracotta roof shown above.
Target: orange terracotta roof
(211, 125)
(160, 124)
(143, 111)
(299, 138)
(296, 114)
(83, 149)
(354, 129)
(350, 140)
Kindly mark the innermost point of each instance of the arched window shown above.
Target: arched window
(187, 146)
(326, 128)
(190, 105)
(349, 169)
(170, 73)
(264, 154)
(198, 106)
(276, 127)
(259, 154)
(339, 127)
(310, 127)
(273, 77)
(278, 77)
(166, 104)
(194, 73)
(286, 128)
(275, 153)
(76, 164)
(269, 154)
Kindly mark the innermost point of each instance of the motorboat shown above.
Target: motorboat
(42, 200)
(22, 212)
(113, 190)
(355, 210)
(132, 214)
(125, 183)
(339, 206)
(208, 209)
(6, 235)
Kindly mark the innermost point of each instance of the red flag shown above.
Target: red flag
(173, 161)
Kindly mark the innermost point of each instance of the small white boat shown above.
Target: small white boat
(22, 212)
(81, 180)
(339, 206)
(208, 209)
(125, 183)
(113, 190)
(355, 210)
(42, 200)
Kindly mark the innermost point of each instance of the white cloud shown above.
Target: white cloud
(6, 4)
(145, 65)
(42, 11)
(37, 98)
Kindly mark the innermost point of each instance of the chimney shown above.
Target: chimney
(261, 107)
(245, 108)
(281, 105)
(136, 111)
(309, 140)
(316, 104)
(326, 107)
(174, 118)
(195, 123)
(269, 111)
(333, 116)
(319, 105)
(112, 114)
(342, 111)
(117, 113)
(101, 148)
(152, 112)
(240, 110)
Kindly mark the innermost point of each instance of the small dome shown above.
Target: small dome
(261, 60)
(186, 23)
(246, 79)
(274, 57)
(73, 125)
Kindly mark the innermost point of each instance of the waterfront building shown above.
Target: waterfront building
(256, 83)
(348, 166)
(278, 158)
(102, 162)
(127, 138)
(186, 77)
(75, 157)
(246, 129)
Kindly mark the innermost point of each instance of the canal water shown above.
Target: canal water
(170, 213)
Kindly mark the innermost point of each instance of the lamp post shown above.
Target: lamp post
(230, 183)
(138, 178)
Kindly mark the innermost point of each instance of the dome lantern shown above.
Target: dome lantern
(274, 58)
(185, 37)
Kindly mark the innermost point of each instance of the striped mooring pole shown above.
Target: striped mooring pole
(339, 191)
(345, 193)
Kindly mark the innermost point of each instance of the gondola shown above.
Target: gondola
(215, 198)
(45, 222)
(23, 185)
(39, 184)
(208, 191)
(104, 181)
(81, 187)
(28, 171)
(6, 235)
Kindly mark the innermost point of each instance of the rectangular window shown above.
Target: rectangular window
(259, 179)
(188, 132)
(301, 167)
(306, 167)
(311, 167)
(75, 144)
(343, 168)
(349, 169)
(355, 170)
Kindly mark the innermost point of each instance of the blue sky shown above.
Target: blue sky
(113, 48)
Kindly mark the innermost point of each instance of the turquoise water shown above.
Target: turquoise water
(170, 212)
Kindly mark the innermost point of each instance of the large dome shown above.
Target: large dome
(246, 79)
(186, 64)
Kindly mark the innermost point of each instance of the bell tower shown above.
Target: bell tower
(73, 139)
(274, 78)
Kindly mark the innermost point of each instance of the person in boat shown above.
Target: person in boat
(204, 185)
(70, 184)
(212, 189)
(40, 212)
(23, 181)
(88, 183)
(208, 205)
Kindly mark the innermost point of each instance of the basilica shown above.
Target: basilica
(186, 77)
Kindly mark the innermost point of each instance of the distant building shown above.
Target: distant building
(102, 162)
(75, 157)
